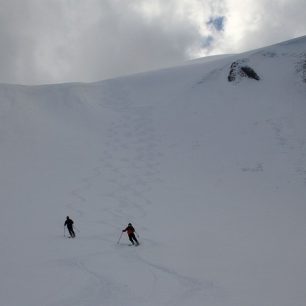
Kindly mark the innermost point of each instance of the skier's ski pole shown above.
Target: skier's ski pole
(64, 231)
(137, 234)
(119, 238)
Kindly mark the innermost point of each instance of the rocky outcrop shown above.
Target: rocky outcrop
(301, 67)
(239, 70)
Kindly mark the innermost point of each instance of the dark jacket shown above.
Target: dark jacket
(68, 223)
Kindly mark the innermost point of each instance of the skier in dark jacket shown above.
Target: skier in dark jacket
(131, 233)
(69, 224)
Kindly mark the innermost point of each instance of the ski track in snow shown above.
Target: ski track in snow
(156, 277)
(187, 287)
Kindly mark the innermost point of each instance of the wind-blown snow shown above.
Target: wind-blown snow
(212, 175)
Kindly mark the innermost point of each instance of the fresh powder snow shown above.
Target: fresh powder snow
(210, 172)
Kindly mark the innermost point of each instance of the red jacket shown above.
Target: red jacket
(130, 230)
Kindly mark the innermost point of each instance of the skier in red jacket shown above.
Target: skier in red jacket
(131, 233)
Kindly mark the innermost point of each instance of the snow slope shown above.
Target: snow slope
(211, 173)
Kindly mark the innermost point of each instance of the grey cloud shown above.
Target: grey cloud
(58, 41)
(131, 44)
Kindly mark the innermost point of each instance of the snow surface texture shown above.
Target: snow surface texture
(211, 173)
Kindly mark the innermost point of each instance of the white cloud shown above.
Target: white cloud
(253, 24)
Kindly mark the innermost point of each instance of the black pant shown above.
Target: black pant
(71, 231)
(133, 238)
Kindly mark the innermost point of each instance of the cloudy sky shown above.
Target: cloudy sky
(55, 41)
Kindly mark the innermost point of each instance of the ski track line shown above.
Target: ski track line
(105, 291)
(101, 292)
(288, 145)
(189, 286)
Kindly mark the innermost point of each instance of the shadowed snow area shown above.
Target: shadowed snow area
(211, 173)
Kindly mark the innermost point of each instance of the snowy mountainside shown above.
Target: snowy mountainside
(211, 173)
